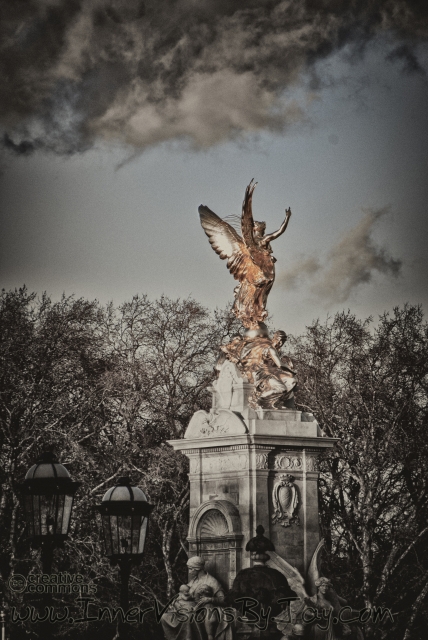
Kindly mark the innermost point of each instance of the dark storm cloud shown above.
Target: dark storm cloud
(352, 261)
(205, 71)
(24, 148)
(406, 55)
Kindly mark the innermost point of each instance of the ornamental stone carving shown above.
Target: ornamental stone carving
(225, 463)
(215, 423)
(213, 524)
(288, 461)
(285, 499)
(261, 460)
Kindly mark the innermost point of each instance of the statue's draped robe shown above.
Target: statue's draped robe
(334, 631)
(176, 629)
(273, 386)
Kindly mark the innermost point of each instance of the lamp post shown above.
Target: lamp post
(49, 493)
(125, 515)
(3, 623)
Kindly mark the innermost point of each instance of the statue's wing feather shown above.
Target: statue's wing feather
(247, 222)
(314, 568)
(261, 258)
(295, 580)
(226, 242)
(294, 577)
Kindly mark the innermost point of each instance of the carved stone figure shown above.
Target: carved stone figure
(184, 601)
(205, 592)
(227, 375)
(259, 359)
(285, 500)
(328, 603)
(324, 601)
(249, 258)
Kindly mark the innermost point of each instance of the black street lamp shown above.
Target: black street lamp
(125, 517)
(49, 494)
(48, 500)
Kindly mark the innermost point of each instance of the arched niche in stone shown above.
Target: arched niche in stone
(215, 534)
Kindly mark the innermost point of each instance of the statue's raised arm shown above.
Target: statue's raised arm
(249, 258)
(282, 228)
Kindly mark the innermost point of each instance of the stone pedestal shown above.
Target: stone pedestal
(238, 458)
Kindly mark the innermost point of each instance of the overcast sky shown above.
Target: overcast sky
(120, 118)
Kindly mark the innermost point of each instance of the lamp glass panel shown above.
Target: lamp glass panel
(143, 533)
(66, 513)
(108, 539)
(47, 506)
(59, 513)
(114, 532)
(124, 527)
(36, 515)
(136, 524)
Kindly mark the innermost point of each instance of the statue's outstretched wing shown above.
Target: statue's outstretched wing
(314, 568)
(226, 242)
(296, 583)
(260, 258)
(294, 577)
(247, 222)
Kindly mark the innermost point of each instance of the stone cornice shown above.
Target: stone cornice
(224, 443)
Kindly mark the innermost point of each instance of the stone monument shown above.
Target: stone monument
(251, 466)
(253, 456)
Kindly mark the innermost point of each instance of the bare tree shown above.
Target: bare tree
(104, 388)
(367, 385)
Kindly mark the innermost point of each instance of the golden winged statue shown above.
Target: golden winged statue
(249, 258)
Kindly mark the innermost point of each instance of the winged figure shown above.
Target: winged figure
(249, 257)
(323, 599)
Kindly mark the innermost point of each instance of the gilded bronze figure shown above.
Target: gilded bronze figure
(259, 359)
(249, 258)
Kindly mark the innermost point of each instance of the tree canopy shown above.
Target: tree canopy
(367, 385)
(105, 387)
